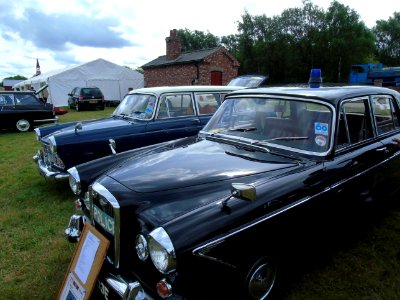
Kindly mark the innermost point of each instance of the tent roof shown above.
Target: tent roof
(95, 69)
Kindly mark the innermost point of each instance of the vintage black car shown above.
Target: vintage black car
(145, 116)
(213, 216)
(23, 110)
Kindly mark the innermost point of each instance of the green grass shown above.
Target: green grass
(34, 254)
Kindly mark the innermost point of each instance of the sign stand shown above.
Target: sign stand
(85, 265)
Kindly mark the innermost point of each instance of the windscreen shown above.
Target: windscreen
(138, 106)
(291, 124)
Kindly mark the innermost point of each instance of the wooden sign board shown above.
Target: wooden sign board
(85, 265)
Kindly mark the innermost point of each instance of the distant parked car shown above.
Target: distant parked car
(249, 80)
(23, 110)
(86, 97)
(145, 116)
(221, 215)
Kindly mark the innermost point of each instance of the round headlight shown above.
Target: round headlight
(162, 251)
(141, 247)
(74, 181)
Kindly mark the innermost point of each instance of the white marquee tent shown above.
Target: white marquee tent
(114, 81)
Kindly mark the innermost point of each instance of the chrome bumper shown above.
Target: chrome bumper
(75, 226)
(123, 289)
(44, 171)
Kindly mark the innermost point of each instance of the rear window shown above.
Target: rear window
(91, 92)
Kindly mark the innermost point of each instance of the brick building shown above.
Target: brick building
(215, 66)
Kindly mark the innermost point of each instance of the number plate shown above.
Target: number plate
(92, 101)
(103, 219)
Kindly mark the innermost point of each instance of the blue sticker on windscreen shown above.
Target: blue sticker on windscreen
(321, 128)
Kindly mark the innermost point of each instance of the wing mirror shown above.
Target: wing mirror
(242, 191)
(78, 126)
(113, 146)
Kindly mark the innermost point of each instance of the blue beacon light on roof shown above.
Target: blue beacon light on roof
(315, 78)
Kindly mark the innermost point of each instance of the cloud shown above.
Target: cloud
(58, 32)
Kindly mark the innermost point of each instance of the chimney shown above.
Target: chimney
(173, 45)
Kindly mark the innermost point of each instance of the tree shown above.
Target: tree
(288, 46)
(387, 35)
(197, 40)
(346, 41)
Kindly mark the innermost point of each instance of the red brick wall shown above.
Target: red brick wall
(186, 74)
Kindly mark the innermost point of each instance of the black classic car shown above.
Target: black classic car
(145, 116)
(213, 216)
(23, 110)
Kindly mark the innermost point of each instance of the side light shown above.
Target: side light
(141, 247)
(164, 289)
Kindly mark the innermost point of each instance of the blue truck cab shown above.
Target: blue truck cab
(370, 73)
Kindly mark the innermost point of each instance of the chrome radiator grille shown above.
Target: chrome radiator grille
(105, 212)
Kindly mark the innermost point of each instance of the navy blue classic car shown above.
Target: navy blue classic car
(145, 116)
(23, 110)
(214, 216)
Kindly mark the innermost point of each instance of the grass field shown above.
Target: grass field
(34, 255)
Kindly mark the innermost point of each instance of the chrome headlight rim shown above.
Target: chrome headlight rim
(141, 246)
(74, 181)
(161, 250)
(37, 134)
(52, 144)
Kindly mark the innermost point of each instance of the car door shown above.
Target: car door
(6, 110)
(357, 162)
(176, 118)
(32, 107)
(386, 115)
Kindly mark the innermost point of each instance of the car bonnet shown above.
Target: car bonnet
(196, 164)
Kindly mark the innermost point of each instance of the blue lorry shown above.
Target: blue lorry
(375, 74)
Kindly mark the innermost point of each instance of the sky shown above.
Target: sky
(129, 33)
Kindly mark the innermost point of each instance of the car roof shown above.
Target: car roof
(190, 88)
(328, 94)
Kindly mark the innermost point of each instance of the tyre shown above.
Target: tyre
(77, 106)
(23, 125)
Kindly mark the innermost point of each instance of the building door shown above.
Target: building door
(216, 78)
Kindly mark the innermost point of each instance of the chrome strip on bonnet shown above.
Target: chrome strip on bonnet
(100, 189)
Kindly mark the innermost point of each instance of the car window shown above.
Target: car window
(25, 99)
(6, 100)
(177, 105)
(354, 123)
(384, 114)
(208, 103)
(139, 106)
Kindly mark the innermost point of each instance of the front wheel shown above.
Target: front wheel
(23, 125)
(261, 278)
